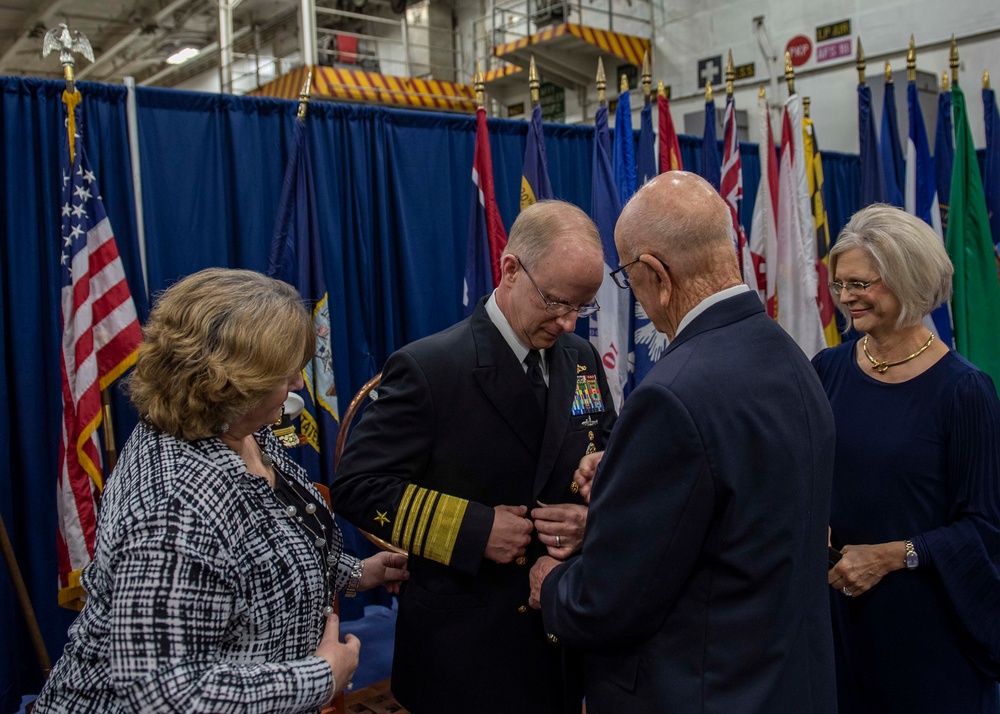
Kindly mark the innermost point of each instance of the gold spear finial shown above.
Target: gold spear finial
(986, 79)
(911, 62)
(789, 73)
(860, 62)
(662, 90)
(480, 85)
(602, 82)
(953, 62)
(806, 101)
(708, 91)
(647, 76)
(945, 84)
(888, 73)
(623, 85)
(304, 95)
(730, 74)
(533, 83)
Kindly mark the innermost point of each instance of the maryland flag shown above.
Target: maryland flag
(814, 174)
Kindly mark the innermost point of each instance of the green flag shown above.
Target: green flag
(976, 300)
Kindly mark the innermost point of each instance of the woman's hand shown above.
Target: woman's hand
(341, 656)
(384, 568)
(863, 566)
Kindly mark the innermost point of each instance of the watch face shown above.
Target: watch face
(911, 560)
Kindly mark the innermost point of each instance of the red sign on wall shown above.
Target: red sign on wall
(799, 49)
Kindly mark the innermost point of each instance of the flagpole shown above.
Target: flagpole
(647, 79)
(533, 83)
(860, 63)
(60, 38)
(911, 62)
(22, 596)
(953, 62)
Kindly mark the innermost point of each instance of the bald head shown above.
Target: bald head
(542, 225)
(679, 229)
(679, 217)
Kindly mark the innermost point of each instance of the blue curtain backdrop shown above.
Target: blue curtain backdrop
(394, 183)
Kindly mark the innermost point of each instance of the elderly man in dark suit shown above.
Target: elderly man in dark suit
(702, 582)
(474, 430)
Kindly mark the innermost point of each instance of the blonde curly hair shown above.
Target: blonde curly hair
(217, 343)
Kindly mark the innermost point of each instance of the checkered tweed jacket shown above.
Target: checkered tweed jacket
(203, 595)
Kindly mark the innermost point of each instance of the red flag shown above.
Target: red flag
(670, 148)
(487, 236)
(100, 341)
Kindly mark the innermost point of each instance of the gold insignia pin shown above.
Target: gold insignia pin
(581, 368)
(590, 435)
(591, 448)
(382, 517)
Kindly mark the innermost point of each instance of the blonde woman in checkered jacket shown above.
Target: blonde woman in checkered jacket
(216, 560)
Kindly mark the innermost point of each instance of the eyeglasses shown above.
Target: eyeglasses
(561, 308)
(852, 286)
(620, 275)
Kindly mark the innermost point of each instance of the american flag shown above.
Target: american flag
(731, 188)
(100, 340)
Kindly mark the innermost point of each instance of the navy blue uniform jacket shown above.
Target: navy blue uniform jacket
(702, 583)
(455, 431)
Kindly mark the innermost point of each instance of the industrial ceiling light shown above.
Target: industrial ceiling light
(183, 55)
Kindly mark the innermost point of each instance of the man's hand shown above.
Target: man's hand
(584, 474)
(510, 535)
(341, 656)
(560, 527)
(539, 571)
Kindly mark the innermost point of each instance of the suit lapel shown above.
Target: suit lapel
(562, 382)
(502, 379)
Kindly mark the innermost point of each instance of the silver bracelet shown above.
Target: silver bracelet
(351, 589)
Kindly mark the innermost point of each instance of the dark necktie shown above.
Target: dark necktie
(534, 364)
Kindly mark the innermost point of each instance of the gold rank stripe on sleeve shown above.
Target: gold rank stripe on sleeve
(428, 522)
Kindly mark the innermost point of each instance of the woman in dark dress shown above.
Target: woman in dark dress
(916, 489)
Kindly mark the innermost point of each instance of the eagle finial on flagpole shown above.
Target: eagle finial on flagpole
(60, 38)
(986, 79)
(945, 83)
(708, 91)
(888, 73)
(662, 90)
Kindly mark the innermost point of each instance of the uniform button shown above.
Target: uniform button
(574, 487)
(522, 609)
(521, 561)
(552, 638)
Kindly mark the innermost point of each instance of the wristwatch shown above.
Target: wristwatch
(351, 589)
(912, 559)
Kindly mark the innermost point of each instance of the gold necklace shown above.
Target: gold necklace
(881, 367)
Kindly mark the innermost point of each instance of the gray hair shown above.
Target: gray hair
(539, 226)
(909, 255)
